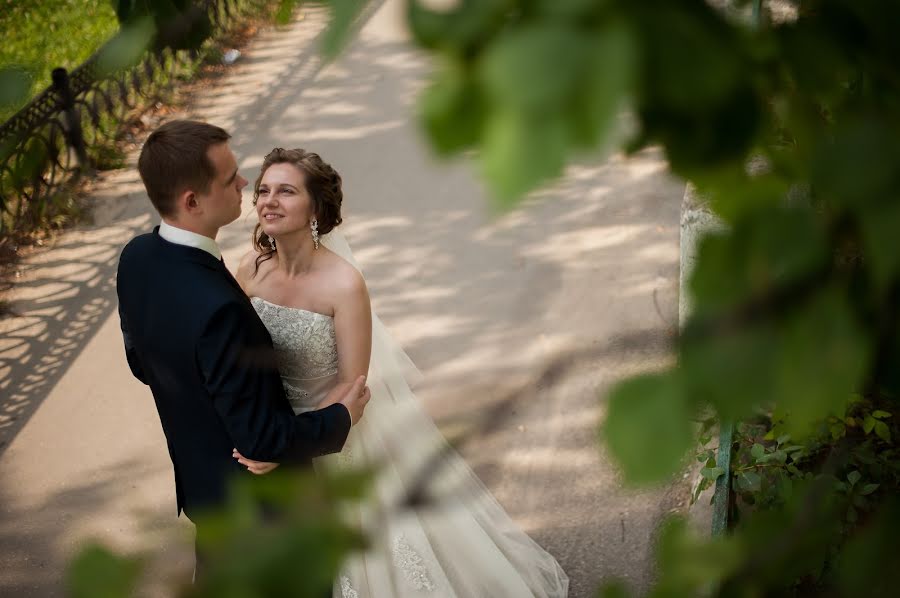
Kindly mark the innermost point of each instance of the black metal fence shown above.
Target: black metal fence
(70, 129)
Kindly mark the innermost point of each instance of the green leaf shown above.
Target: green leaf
(535, 68)
(879, 414)
(701, 486)
(869, 489)
(453, 109)
(127, 47)
(603, 85)
(858, 146)
(712, 473)
(869, 423)
(758, 451)
(98, 573)
(466, 25)
(883, 431)
(765, 250)
(693, 60)
(520, 152)
(853, 477)
(825, 354)
(783, 438)
(648, 427)
(733, 372)
(697, 563)
(344, 14)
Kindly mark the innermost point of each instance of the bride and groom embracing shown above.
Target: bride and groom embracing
(270, 367)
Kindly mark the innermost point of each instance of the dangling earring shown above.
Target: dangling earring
(314, 225)
(271, 242)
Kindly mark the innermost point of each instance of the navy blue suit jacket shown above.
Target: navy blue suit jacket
(192, 335)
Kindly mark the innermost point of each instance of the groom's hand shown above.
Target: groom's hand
(356, 398)
(257, 467)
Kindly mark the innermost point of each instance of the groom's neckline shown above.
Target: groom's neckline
(291, 308)
(193, 254)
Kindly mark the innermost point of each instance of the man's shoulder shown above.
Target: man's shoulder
(139, 246)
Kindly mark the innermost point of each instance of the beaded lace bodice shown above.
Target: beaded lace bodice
(305, 351)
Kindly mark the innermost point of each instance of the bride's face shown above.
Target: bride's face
(284, 204)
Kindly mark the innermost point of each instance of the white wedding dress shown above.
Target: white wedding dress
(464, 544)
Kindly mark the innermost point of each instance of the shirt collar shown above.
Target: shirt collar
(179, 236)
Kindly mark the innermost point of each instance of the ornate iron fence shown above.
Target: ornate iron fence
(71, 127)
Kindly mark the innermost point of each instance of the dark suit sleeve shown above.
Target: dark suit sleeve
(237, 366)
(131, 355)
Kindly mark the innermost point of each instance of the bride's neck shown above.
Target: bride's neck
(295, 254)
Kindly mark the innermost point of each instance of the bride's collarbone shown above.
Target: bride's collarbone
(296, 294)
(318, 290)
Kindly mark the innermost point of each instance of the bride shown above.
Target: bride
(312, 297)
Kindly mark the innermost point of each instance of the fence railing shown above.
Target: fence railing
(70, 128)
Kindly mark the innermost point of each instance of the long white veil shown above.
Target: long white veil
(463, 544)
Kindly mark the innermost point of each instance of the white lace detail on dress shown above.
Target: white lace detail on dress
(347, 590)
(305, 343)
(408, 561)
(297, 396)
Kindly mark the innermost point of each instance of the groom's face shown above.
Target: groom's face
(222, 201)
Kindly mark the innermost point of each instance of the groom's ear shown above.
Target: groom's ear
(187, 203)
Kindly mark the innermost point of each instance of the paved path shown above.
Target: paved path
(548, 304)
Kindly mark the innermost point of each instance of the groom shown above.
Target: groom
(192, 335)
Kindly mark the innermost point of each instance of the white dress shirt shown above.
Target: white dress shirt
(179, 236)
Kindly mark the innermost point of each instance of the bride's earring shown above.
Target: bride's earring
(314, 225)
(271, 242)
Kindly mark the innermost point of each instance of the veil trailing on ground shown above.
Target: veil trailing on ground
(459, 544)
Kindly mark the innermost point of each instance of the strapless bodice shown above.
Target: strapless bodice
(305, 351)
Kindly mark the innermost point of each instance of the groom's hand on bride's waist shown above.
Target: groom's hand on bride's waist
(257, 467)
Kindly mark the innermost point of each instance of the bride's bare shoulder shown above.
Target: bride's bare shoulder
(347, 279)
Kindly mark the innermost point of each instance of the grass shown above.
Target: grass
(40, 35)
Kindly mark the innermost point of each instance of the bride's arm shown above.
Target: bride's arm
(353, 331)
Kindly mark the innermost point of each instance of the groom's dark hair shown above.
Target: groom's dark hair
(174, 158)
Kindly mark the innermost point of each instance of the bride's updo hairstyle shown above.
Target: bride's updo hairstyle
(323, 183)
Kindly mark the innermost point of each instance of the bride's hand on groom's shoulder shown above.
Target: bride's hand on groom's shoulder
(257, 467)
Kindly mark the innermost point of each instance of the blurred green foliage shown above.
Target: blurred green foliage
(295, 549)
(40, 35)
